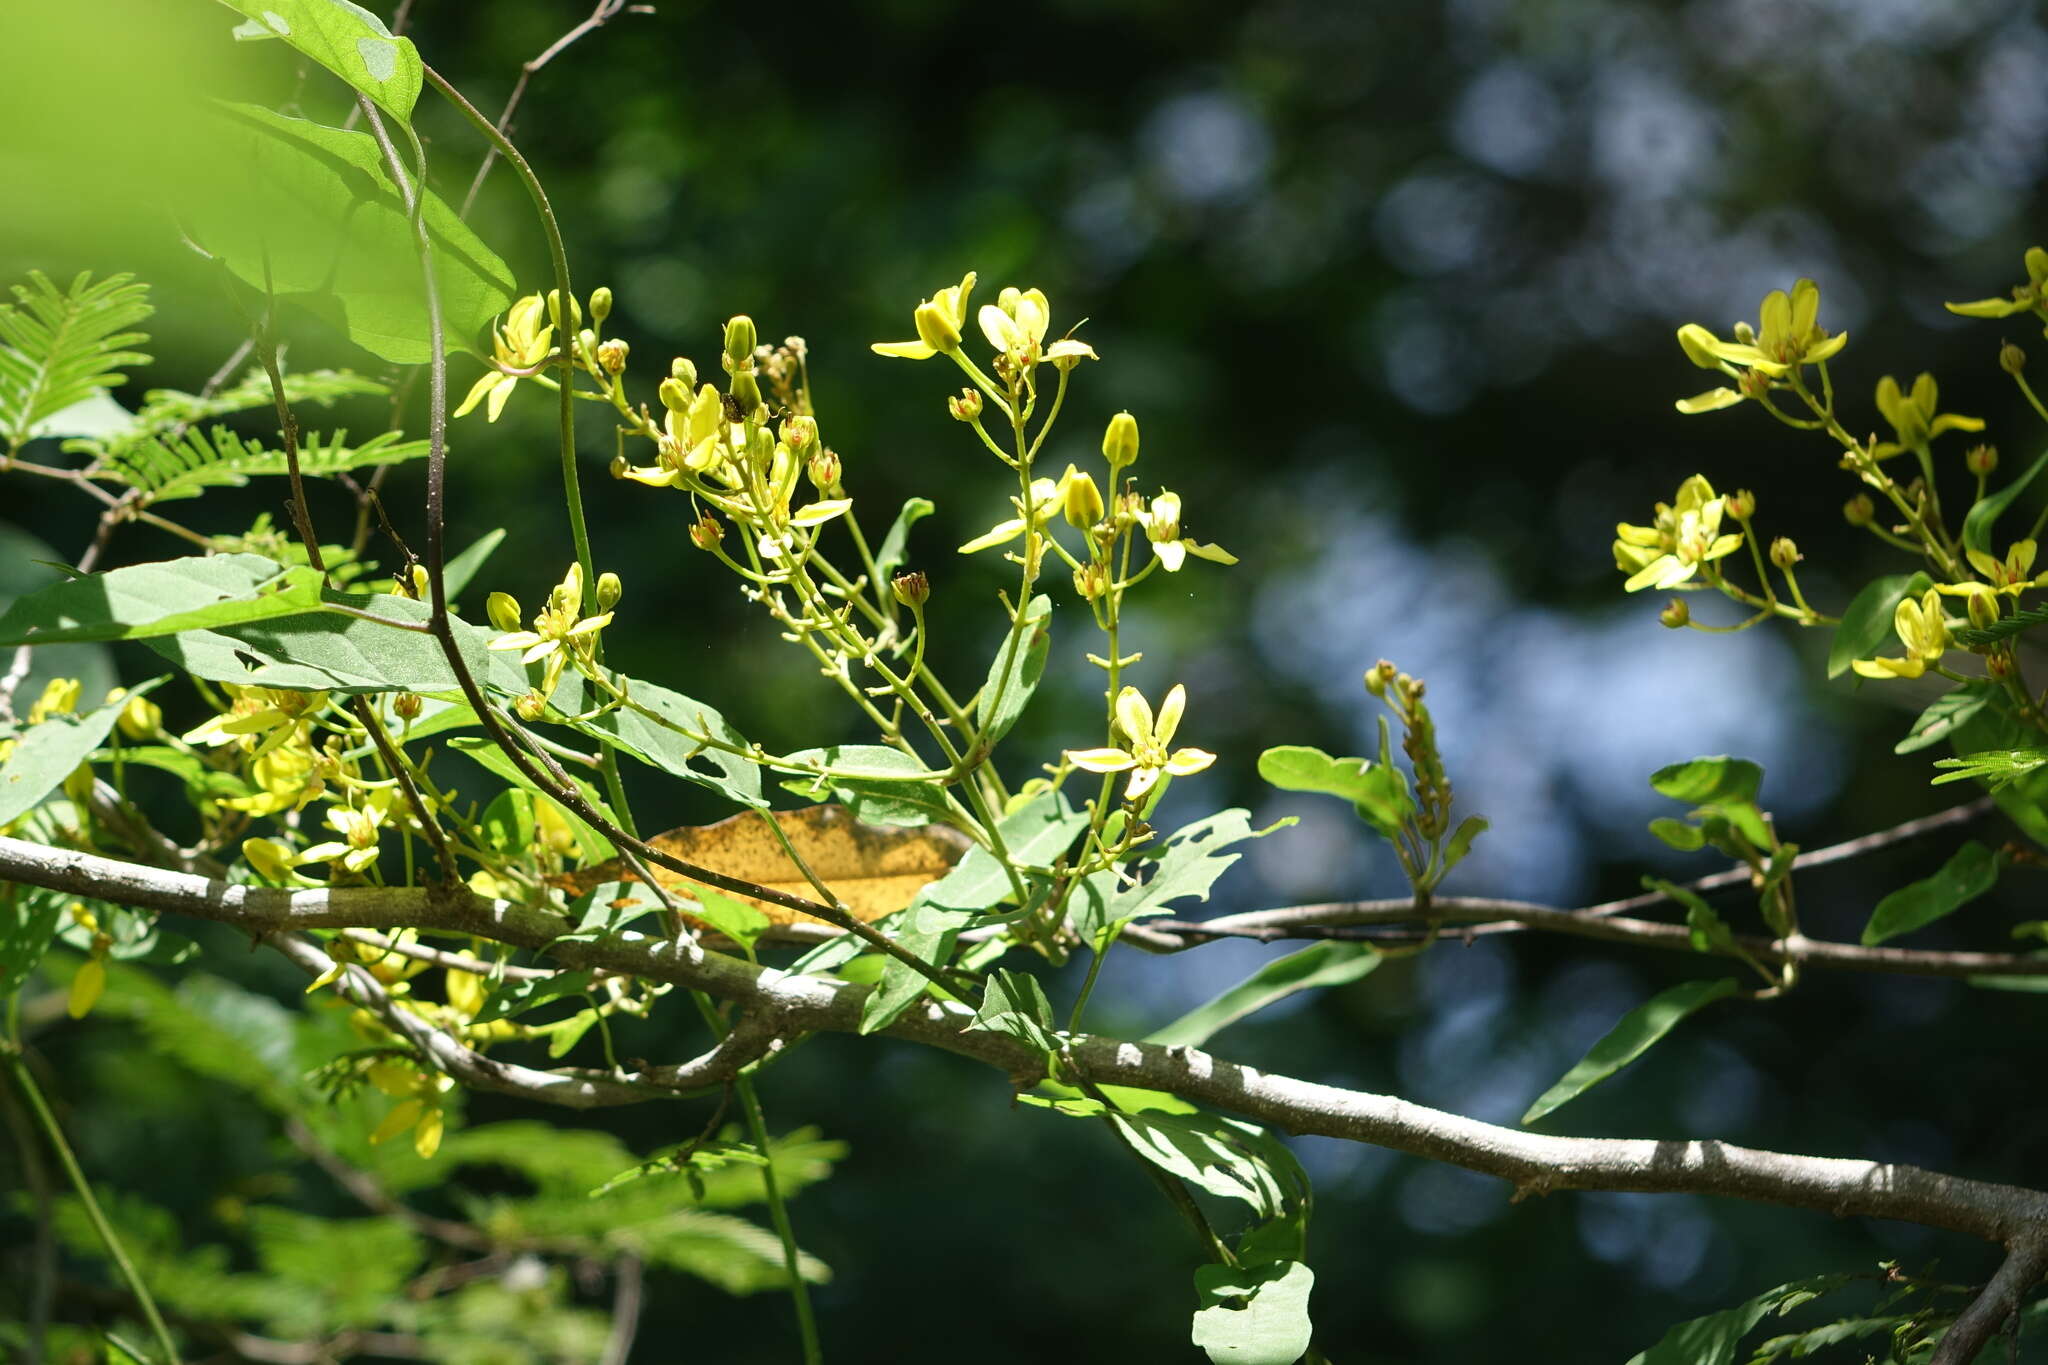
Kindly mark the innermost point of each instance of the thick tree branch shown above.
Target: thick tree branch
(2025, 1263)
(780, 1005)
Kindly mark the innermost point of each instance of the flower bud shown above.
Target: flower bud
(1981, 460)
(609, 590)
(1378, 676)
(141, 718)
(555, 309)
(1785, 552)
(824, 470)
(799, 433)
(1983, 609)
(706, 531)
(600, 303)
(739, 341)
(1741, 504)
(1999, 666)
(619, 466)
(407, 705)
(2011, 358)
(1091, 580)
(966, 406)
(684, 372)
(1675, 614)
(611, 355)
(1859, 510)
(1745, 333)
(1081, 499)
(675, 395)
(1753, 384)
(936, 328)
(1120, 442)
(503, 609)
(530, 706)
(912, 589)
(745, 391)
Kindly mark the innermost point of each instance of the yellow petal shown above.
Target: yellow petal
(1101, 760)
(496, 404)
(1713, 400)
(903, 350)
(1002, 533)
(86, 986)
(1169, 714)
(1134, 715)
(403, 1115)
(426, 1139)
(1187, 761)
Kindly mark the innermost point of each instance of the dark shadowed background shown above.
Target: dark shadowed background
(1391, 289)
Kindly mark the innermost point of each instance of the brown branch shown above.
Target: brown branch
(2026, 1262)
(779, 1006)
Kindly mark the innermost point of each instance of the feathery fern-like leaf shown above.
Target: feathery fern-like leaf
(60, 347)
(166, 467)
(162, 408)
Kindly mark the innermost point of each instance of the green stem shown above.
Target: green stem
(778, 1210)
(24, 1080)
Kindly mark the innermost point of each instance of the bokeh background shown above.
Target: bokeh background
(1391, 289)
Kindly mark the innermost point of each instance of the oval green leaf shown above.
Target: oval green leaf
(1639, 1031)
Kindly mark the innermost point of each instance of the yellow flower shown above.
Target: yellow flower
(1684, 537)
(1786, 337)
(940, 321)
(2012, 575)
(520, 345)
(559, 627)
(1162, 527)
(1045, 496)
(1145, 754)
(280, 715)
(2024, 296)
(1913, 417)
(1922, 629)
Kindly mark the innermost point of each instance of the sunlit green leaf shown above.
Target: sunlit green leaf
(45, 754)
(1315, 967)
(1970, 871)
(345, 38)
(1977, 523)
(1013, 674)
(1639, 1030)
(1253, 1314)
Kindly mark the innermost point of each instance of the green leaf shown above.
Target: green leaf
(1947, 713)
(59, 349)
(1035, 834)
(1867, 622)
(913, 799)
(927, 933)
(591, 846)
(507, 824)
(1994, 767)
(1014, 673)
(1710, 933)
(458, 572)
(677, 747)
(162, 599)
(346, 39)
(1324, 964)
(213, 1028)
(350, 1268)
(737, 920)
(1470, 828)
(1978, 522)
(1970, 871)
(1712, 781)
(203, 782)
(308, 213)
(1186, 865)
(1681, 836)
(29, 917)
(47, 753)
(1712, 1340)
(1639, 1030)
(895, 545)
(1223, 1156)
(1014, 1003)
(1379, 791)
(185, 463)
(1253, 1314)
(515, 996)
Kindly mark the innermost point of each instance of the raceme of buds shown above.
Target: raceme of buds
(824, 470)
(611, 355)
(912, 589)
(1785, 552)
(407, 705)
(1081, 500)
(684, 372)
(1091, 580)
(1120, 441)
(1859, 510)
(2011, 358)
(1675, 614)
(739, 342)
(966, 406)
(600, 303)
(1981, 460)
(609, 590)
(706, 531)
(503, 609)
